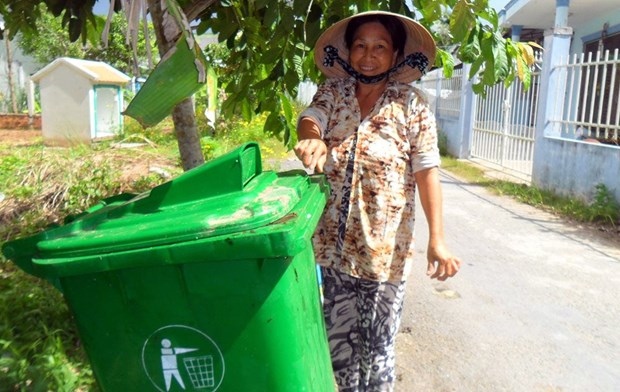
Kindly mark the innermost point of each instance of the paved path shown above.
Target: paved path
(534, 308)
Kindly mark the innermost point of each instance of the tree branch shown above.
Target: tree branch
(196, 8)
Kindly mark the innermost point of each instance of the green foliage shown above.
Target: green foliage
(50, 40)
(160, 134)
(269, 48)
(77, 17)
(604, 207)
(39, 347)
(234, 132)
(21, 99)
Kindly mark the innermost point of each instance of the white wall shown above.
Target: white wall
(65, 107)
(574, 168)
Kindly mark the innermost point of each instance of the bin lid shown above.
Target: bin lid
(227, 195)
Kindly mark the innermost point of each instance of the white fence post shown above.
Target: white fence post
(467, 114)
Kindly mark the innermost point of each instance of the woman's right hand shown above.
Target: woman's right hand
(312, 153)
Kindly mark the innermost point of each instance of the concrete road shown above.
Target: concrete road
(534, 308)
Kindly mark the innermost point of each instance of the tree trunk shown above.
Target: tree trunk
(183, 115)
(9, 63)
(147, 39)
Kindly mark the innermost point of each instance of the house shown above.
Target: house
(595, 31)
(81, 100)
(595, 24)
(563, 133)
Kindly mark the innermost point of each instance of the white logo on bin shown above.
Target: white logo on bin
(182, 358)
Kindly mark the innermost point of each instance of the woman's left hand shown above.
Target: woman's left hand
(442, 264)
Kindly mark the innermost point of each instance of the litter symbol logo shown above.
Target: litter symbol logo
(182, 358)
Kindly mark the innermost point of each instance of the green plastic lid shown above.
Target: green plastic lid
(227, 195)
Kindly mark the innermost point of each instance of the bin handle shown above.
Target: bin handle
(228, 173)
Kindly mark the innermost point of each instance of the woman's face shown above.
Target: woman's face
(372, 51)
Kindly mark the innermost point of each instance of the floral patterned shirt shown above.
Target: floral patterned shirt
(367, 229)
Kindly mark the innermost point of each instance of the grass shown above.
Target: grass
(39, 345)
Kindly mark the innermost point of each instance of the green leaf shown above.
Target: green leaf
(56, 6)
(274, 124)
(298, 61)
(430, 9)
(271, 16)
(277, 71)
(181, 73)
(479, 89)
(446, 61)
(253, 32)
(475, 67)
(75, 29)
(461, 20)
(287, 108)
(502, 67)
(300, 7)
(225, 25)
(271, 55)
(489, 15)
(246, 110)
(470, 51)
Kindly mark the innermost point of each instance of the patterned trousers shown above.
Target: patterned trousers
(362, 318)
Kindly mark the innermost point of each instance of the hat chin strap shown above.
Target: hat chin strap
(414, 60)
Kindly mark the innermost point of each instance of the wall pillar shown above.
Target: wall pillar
(557, 48)
(516, 32)
(561, 13)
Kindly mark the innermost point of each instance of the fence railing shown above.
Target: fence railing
(504, 127)
(444, 94)
(592, 107)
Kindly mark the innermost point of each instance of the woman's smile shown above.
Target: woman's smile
(372, 51)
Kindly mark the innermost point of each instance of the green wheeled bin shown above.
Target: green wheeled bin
(204, 283)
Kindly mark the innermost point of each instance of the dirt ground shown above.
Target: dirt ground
(138, 165)
(19, 137)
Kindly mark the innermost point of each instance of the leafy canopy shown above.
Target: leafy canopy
(271, 46)
(270, 42)
(51, 41)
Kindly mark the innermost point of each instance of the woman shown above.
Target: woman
(375, 139)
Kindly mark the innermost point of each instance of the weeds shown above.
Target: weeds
(230, 134)
(604, 207)
(39, 346)
(38, 341)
